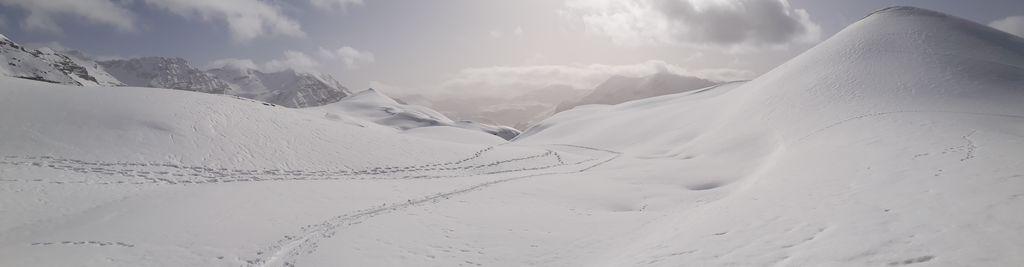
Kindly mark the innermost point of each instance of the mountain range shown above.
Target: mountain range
(287, 87)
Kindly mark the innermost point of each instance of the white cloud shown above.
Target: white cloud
(335, 4)
(291, 60)
(350, 56)
(1013, 25)
(246, 19)
(232, 63)
(505, 81)
(496, 34)
(42, 14)
(722, 23)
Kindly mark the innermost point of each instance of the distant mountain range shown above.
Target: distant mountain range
(287, 87)
(536, 105)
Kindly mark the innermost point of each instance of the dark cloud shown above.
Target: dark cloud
(718, 23)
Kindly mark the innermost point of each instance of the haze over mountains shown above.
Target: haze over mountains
(897, 141)
(527, 109)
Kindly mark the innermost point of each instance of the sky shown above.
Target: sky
(466, 47)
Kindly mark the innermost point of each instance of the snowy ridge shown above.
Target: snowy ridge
(164, 72)
(287, 87)
(47, 65)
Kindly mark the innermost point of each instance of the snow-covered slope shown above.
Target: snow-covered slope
(619, 89)
(44, 64)
(164, 72)
(146, 176)
(372, 105)
(287, 87)
(897, 141)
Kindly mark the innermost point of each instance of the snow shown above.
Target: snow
(898, 141)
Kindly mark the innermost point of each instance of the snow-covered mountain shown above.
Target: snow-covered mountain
(372, 105)
(164, 72)
(619, 89)
(288, 87)
(47, 65)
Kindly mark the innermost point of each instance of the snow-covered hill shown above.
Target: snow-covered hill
(286, 87)
(897, 141)
(372, 105)
(619, 89)
(44, 64)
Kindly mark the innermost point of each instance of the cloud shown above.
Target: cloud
(350, 56)
(1013, 25)
(246, 19)
(335, 4)
(42, 14)
(506, 81)
(291, 60)
(703, 23)
(232, 63)
(496, 34)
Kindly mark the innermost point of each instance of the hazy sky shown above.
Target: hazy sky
(472, 46)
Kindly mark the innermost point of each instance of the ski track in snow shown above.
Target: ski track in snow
(284, 251)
